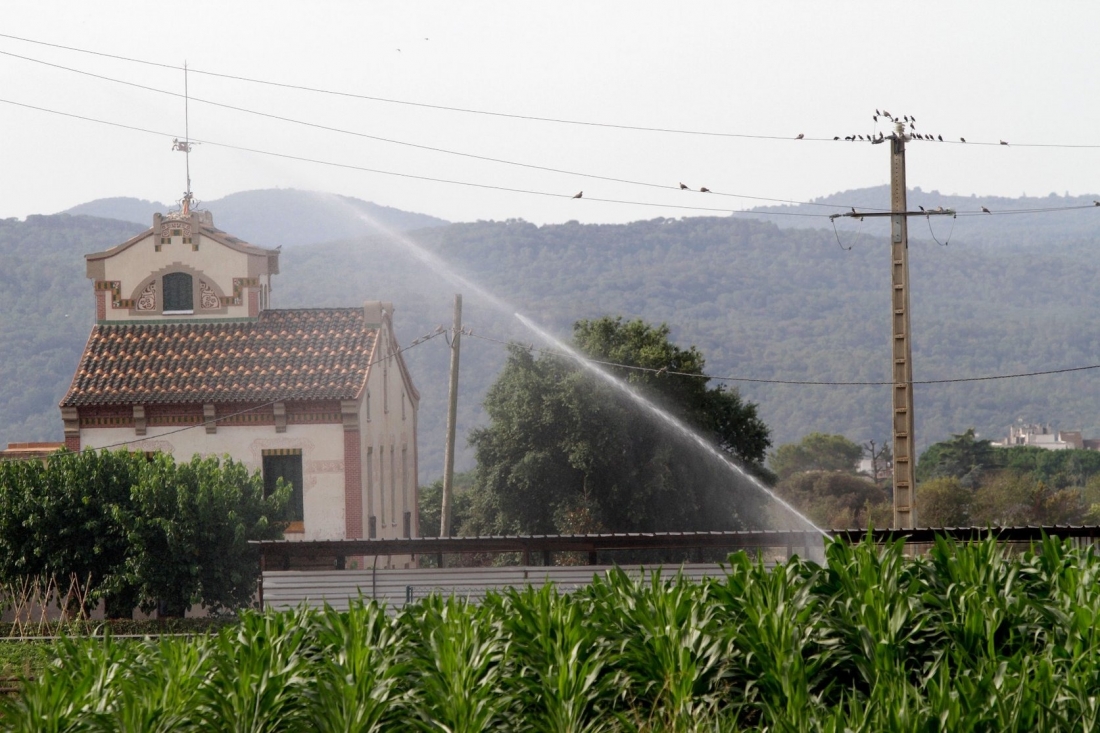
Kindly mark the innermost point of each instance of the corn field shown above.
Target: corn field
(966, 637)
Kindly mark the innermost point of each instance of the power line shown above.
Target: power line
(285, 398)
(801, 382)
(417, 146)
(398, 174)
(506, 115)
(472, 184)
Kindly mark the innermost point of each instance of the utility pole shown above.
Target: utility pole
(901, 343)
(904, 482)
(452, 417)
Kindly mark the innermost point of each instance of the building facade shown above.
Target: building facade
(187, 357)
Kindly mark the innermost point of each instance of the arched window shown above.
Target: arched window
(178, 293)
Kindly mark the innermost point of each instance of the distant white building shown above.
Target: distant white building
(1043, 436)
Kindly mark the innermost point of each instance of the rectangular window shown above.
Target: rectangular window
(408, 517)
(393, 488)
(372, 526)
(286, 464)
(156, 247)
(177, 233)
(164, 240)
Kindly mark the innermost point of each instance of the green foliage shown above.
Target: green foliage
(565, 452)
(967, 481)
(430, 503)
(136, 531)
(835, 499)
(816, 452)
(970, 637)
(944, 502)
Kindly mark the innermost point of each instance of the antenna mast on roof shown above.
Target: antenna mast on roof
(185, 146)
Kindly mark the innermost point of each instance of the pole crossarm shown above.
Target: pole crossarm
(861, 215)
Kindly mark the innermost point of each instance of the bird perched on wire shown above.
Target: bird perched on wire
(1096, 203)
(987, 211)
(962, 139)
(920, 207)
(682, 186)
(940, 138)
(579, 194)
(836, 137)
(1003, 143)
(704, 189)
(799, 136)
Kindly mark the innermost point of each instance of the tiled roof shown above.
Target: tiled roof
(302, 354)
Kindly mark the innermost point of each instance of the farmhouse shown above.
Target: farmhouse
(187, 357)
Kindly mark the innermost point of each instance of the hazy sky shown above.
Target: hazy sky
(1021, 72)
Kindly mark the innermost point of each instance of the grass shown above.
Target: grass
(970, 637)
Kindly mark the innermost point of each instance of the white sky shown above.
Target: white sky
(1019, 71)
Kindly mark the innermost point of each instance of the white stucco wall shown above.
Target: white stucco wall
(322, 449)
(389, 446)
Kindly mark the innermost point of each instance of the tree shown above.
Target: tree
(963, 457)
(816, 452)
(189, 538)
(430, 503)
(943, 502)
(837, 500)
(566, 452)
(135, 531)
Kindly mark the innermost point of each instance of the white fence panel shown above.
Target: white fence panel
(285, 589)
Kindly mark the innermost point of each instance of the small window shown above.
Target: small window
(178, 293)
(408, 524)
(177, 232)
(372, 525)
(165, 240)
(287, 466)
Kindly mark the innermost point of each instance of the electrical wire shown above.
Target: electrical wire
(398, 174)
(506, 115)
(285, 398)
(666, 372)
(417, 146)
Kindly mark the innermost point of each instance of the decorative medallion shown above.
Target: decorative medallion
(175, 228)
(147, 301)
(208, 299)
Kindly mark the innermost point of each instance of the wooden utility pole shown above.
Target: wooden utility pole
(904, 457)
(452, 417)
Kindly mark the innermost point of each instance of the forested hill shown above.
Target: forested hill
(1027, 221)
(761, 301)
(277, 217)
(46, 312)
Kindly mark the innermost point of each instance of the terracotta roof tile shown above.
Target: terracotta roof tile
(300, 354)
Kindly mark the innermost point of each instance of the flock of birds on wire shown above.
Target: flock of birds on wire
(909, 120)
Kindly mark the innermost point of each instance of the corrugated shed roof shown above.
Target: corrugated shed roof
(299, 354)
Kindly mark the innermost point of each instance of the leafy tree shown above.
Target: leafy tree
(943, 502)
(135, 531)
(566, 452)
(67, 518)
(189, 538)
(431, 503)
(1012, 498)
(816, 452)
(963, 457)
(837, 500)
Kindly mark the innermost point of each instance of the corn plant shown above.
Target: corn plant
(356, 686)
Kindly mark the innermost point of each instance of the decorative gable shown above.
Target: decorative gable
(182, 268)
